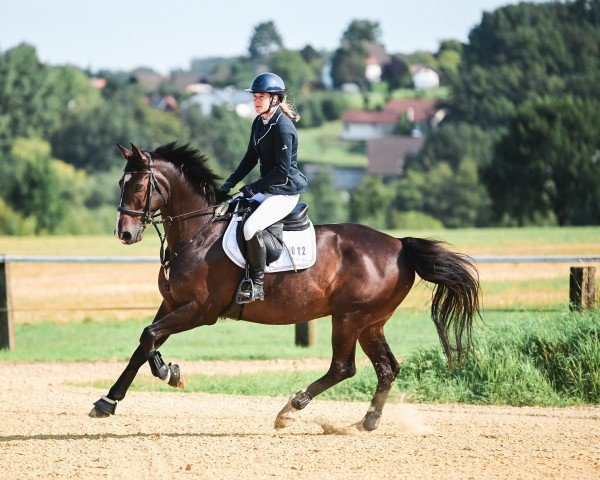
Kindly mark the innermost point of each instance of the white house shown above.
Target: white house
(424, 78)
(363, 125)
(239, 100)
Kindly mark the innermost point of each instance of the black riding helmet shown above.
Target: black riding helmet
(267, 83)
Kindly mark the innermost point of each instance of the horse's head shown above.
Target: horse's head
(141, 195)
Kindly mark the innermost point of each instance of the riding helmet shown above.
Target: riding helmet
(267, 83)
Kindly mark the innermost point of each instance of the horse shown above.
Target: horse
(361, 275)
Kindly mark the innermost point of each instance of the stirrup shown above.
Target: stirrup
(246, 293)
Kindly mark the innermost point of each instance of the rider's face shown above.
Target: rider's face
(261, 102)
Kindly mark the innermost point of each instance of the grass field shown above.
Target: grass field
(325, 145)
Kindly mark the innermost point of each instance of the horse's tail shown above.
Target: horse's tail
(455, 298)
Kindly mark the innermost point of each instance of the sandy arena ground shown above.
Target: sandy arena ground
(45, 433)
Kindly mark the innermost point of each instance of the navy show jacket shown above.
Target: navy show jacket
(275, 146)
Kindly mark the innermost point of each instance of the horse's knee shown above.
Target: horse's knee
(342, 372)
(386, 376)
(148, 337)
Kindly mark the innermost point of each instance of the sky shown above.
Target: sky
(167, 35)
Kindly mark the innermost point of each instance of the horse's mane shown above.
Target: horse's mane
(193, 165)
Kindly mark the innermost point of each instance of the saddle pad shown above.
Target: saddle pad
(302, 245)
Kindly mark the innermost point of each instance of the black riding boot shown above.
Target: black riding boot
(257, 256)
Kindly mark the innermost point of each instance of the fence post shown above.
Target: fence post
(306, 334)
(7, 336)
(582, 288)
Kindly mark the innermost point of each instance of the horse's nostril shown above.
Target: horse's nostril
(126, 236)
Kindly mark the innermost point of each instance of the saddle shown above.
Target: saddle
(297, 220)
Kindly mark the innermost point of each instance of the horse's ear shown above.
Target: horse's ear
(137, 153)
(127, 154)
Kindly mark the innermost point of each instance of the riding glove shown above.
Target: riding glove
(226, 187)
(247, 191)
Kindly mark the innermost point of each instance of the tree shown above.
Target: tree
(326, 204)
(361, 31)
(456, 198)
(223, 136)
(34, 189)
(448, 58)
(370, 202)
(548, 162)
(264, 41)
(396, 73)
(290, 65)
(348, 66)
(34, 99)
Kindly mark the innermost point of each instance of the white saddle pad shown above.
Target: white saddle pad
(301, 245)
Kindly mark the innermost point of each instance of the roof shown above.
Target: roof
(148, 79)
(181, 80)
(388, 154)
(423, 108)
(376, 51)
(361, 116)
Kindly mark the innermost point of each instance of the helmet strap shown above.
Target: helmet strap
(272, 104)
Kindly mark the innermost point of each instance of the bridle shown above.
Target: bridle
(148, 217)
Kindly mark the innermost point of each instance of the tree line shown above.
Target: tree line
(520, 143)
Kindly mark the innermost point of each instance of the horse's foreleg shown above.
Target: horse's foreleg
(386, 366)
(184, 318)
(343, 340)
(107, 405)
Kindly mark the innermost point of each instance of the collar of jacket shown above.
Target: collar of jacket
(273, 121)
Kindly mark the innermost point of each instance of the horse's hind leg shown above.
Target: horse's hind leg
(374, 344)
(343, 340)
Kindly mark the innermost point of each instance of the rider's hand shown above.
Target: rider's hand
(226, 187)
(247, 191)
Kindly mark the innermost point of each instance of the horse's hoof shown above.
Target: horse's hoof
(286, 417)
(371, 421)
(181, 382)
(95, 413)
(176, 379)
(284, 421)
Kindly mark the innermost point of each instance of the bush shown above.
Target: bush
(516, 365)
(12, 223)
(413, 220)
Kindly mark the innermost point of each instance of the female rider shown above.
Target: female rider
(273, 143)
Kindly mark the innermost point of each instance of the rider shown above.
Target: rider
(273, 143)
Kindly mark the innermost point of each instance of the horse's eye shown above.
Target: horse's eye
(138, 187)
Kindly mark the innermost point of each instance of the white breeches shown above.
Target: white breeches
(272, 209)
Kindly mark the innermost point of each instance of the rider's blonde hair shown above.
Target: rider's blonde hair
(288, 108)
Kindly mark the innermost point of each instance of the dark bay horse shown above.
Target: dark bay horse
(360, 277)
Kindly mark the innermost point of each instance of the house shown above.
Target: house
(376, 60)
(149, 79)
(239, 100)
(387, 155)
(186, 82)
(424, 77)
(164, 103)
(363, 125)
(420, 113)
